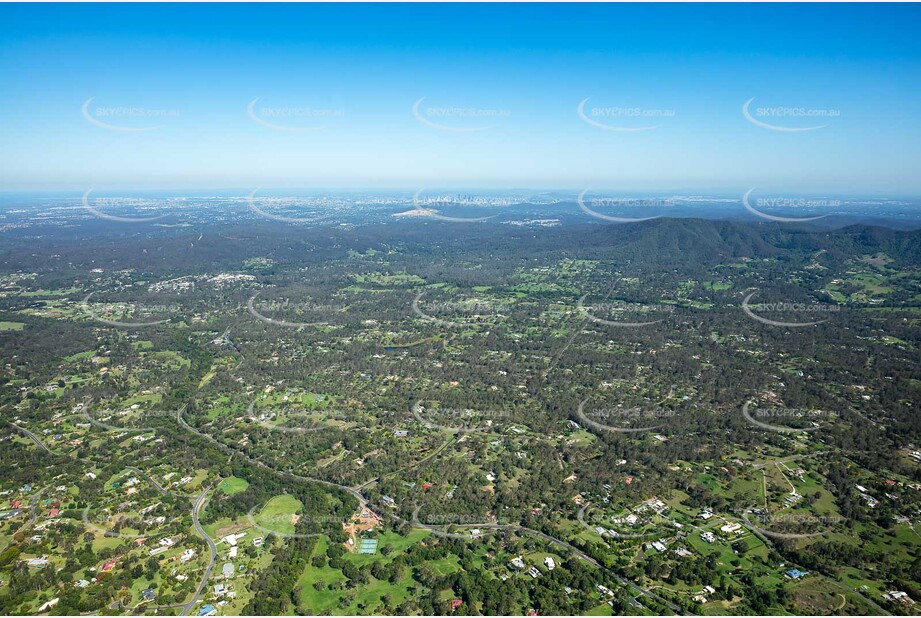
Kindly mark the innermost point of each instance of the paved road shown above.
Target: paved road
(445, 445)
(32, 437)
(777, 461)
(350, 490)
(617, 535)
(870, 602)
(226, 337)
(554, 541)
(152, 481)
(364, 502)
(33, 517)
(107, 427)
(196, 508)
(34, 506)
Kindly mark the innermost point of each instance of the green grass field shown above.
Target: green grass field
(233, 485)
(63, 292)
(367, 598)
(278, 514)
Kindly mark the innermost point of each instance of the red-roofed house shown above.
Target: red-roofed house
(15, 503)
(455, 603)
(54, 513)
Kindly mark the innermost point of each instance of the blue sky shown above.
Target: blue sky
(348, 76)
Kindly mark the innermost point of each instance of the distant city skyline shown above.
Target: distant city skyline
(821, 99)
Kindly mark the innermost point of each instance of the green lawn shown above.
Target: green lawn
(61, 292)
(278, 514)
(233, 485)
(224, 522)
(602, 610)
(369, 595)
(80, 356)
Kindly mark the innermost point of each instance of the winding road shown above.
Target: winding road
(553, 541)
(33, 517)
(876, 607)
(196, 509)
(363, 501)
(229, 449)
(152, 481)
(617, 535)
(107, 427)
(32, 437)
(445, 445)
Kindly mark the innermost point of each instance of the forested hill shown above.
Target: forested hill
(680, 240)
(664, 241)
